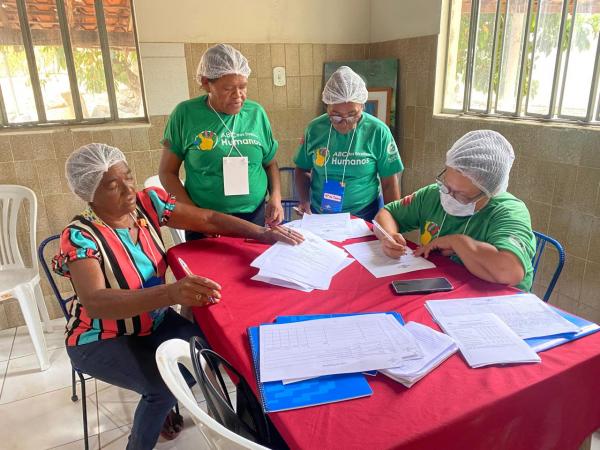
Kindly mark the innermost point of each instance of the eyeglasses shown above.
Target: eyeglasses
(457, 196)
(350, 120)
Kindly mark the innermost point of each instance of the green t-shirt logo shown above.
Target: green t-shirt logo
(206, 140)
(321, 157)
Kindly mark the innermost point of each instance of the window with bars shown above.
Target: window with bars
(524, 58)
(68, 61)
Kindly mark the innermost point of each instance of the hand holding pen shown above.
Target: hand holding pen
(192, 288)
(393, 246)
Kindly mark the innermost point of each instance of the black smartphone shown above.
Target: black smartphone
(421, 286)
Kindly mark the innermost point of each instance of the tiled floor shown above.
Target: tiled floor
(37, 409)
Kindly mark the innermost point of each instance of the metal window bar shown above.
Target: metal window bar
(139, 58)
(451, 110)
(68, 50)
(108, 73)
(491, 89)
(594, 95)
(533, 51)
(31, 63)
(559, 52)
(568, 57)
(3, 115)
(471, 54)
(523, 64)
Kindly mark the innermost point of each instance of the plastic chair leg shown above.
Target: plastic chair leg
(42, 308)
(84, 411)
(74, 397)
(26, 296)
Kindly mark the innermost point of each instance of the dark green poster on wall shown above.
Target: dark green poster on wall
(381, 77)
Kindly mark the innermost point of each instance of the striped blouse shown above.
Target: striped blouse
(124, 264)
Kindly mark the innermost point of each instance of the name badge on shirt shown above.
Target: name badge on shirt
(333, 197)
(235, 175)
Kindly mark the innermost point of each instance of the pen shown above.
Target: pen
(385, 233)
(187, 271)
(298, 210)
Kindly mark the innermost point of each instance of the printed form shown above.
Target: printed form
(331, 346)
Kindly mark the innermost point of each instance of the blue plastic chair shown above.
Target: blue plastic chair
(288, 203)
(63, 302)
(541, 241)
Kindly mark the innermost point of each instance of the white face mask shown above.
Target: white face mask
(456, 208)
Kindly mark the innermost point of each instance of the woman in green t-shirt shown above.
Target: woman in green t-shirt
(468, 215)
(346, 153)
(225, 143)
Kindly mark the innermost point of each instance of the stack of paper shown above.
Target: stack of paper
(333, 346)
(371, 256)
(436, 348)
(484, 339)
(332, 227)
(307, 266)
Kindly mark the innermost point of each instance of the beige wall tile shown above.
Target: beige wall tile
(279, 97)
(139, 139)
(49, 176)
(81, 138)
(408, 120)
(578, 239)
(564, 185)
(586, 189)
(5, 149)
(122, 139)
(307, 93)
(26, 176)
(22, 147)
(590, 294)
(294, 98)
(292, 60)
(277, 55)
(265, 92)
(319, 58)
(14, 317)
(594, 247)
(420, 123)
(540, 215)
(63, 143)
(306, 59)
(43, 146)
(102, 137)
(571, 278)
(263, 61)
(7, 173)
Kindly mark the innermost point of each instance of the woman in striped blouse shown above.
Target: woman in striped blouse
(115, 258)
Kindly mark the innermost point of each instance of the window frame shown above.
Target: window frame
(528, 50)
(70, 64)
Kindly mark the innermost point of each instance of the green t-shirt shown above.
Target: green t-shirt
(373, 153)
(197, 137)
(504, 223)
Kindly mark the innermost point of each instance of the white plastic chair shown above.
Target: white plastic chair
(177, 351)
(177, 235)
(17, 280)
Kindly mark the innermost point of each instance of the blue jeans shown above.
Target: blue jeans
(367, 213)
(129, 362)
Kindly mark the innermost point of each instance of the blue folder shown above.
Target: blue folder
(540, 344)
(276, 396)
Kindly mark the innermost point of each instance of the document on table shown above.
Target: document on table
(484, 339)
(306, 266)
(525, 314)
(371, 256)
(337, 345)
(331, 227)
(436, 347)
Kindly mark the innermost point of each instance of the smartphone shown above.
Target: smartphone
(421, 286)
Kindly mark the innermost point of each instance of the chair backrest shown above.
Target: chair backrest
(288, 187)
(169, 355)
(541, 241)
(62, 301)
(11, 201)
(177, 235)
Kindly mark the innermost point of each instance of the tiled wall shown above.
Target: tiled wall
(556, 171)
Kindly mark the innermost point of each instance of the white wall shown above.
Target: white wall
(399, 19)
(258, 21)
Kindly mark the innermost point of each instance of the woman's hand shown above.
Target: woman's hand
(444, 244)
(394, 249)
(281, 234)
(274, 212)
(303, 208)
(193, 290)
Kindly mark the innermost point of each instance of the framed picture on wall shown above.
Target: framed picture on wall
(379, 103)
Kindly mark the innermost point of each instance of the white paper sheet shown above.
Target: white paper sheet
(330, 346)
(358, 228)
(436, 347)
(331, 227)
(484, 339)
(371, 256)
(525, 314)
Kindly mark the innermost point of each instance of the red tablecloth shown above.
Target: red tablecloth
(552, 405)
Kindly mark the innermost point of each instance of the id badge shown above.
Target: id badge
(151, 282)
(235, 175)
(333, 197)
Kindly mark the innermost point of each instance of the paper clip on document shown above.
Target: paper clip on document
(187, 271)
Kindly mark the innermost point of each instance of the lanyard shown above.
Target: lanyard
(347, 153)
(232, 133)
(444, 220)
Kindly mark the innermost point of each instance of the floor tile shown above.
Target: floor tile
(116, 403)
(61, 419)
(78, 445)
(24, 379)
(7, 338)
(596, 440)
(114, 439)
(23, 346)
(3, 366)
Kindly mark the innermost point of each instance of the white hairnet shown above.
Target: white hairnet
(345, 86)
(485, 157)
(220, 60)
(86, 166)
